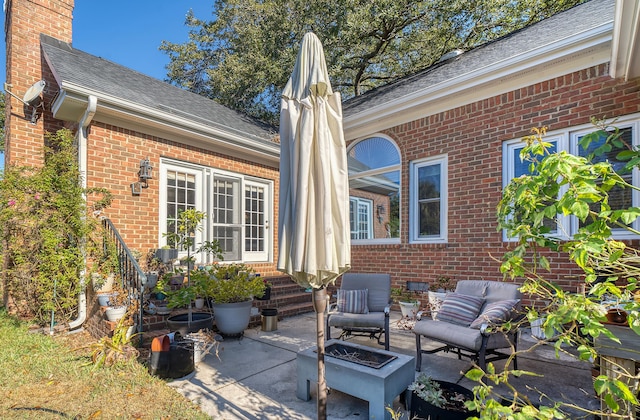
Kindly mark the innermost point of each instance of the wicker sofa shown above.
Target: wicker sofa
(463, 323)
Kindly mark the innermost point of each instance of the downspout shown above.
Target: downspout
(83, 123)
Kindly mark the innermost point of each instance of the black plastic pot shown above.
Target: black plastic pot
(267, 294)
(199, 321)
(175, 363)
(424, 410)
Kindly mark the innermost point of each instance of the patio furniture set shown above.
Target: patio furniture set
(362, 308)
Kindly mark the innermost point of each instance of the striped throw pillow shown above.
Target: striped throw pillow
(495, 313)
(353, 301)
(460, 309)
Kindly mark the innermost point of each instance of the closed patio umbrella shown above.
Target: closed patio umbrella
(314, 234)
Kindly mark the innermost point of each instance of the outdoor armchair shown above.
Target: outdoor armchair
(362, 307)
(464, 320)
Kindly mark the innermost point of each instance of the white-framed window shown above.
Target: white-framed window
(238, 208)
(619, 198)
(568, 140)
(360, 216)
(374, 190)
(514, 166)
(428, 200)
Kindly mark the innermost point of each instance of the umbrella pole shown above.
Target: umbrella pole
(319, 298)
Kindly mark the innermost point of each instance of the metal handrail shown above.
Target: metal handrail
(133, 279)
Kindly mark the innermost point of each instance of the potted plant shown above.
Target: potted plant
(118, 303)
(437, 292)
(117, 348)
(267, 290)
(166, 254)
(106, 267)
(189, 221)
(408, 301)
(232, 288)
(438, 400)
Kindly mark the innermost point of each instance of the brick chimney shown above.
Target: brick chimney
(25, 20)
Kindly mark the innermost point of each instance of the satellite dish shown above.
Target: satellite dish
(32, 96)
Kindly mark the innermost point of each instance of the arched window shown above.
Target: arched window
(374, 190)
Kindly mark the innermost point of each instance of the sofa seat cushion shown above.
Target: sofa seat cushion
(346, 320)
(458, 335)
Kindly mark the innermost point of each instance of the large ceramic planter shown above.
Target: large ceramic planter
(232, 318)
(199, 321)
(419, 408)
(409, 309)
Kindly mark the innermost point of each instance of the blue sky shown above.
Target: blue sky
(129, 32)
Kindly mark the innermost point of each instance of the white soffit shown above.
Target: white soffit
(580, 51)
(71, 102)
(625, 57)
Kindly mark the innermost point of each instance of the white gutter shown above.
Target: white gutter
(626, 34)
(83, 123)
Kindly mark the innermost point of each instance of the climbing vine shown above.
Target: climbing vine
(43, 227)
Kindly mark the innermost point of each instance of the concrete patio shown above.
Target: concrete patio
(255, 376)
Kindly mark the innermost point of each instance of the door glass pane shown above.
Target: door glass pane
(181, 195)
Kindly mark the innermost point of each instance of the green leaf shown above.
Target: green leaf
(611, 403)
(580, 209)
(630, 215)
(626, 155)
(474, 374)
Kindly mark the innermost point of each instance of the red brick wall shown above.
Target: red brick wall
(114, 155)
(25, 20)
(472, 137)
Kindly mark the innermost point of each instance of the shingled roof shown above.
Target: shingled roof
(73, 68)
(536, 37)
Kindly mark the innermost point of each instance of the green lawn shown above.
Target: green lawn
(45, 377)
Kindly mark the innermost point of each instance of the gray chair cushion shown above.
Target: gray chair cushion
(491, 291)
(379, 286)
(346, 320)
(458, 335)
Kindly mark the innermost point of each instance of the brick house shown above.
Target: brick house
(429, 154)
(203, 155)
(444, 141)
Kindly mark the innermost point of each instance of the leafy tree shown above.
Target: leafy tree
(243, 56)
(583, 187)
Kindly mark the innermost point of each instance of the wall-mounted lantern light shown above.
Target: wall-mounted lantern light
(144, 174)
(381, 211)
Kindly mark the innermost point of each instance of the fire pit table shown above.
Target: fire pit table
(355, 373)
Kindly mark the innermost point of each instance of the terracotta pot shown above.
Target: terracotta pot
(616, 316)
